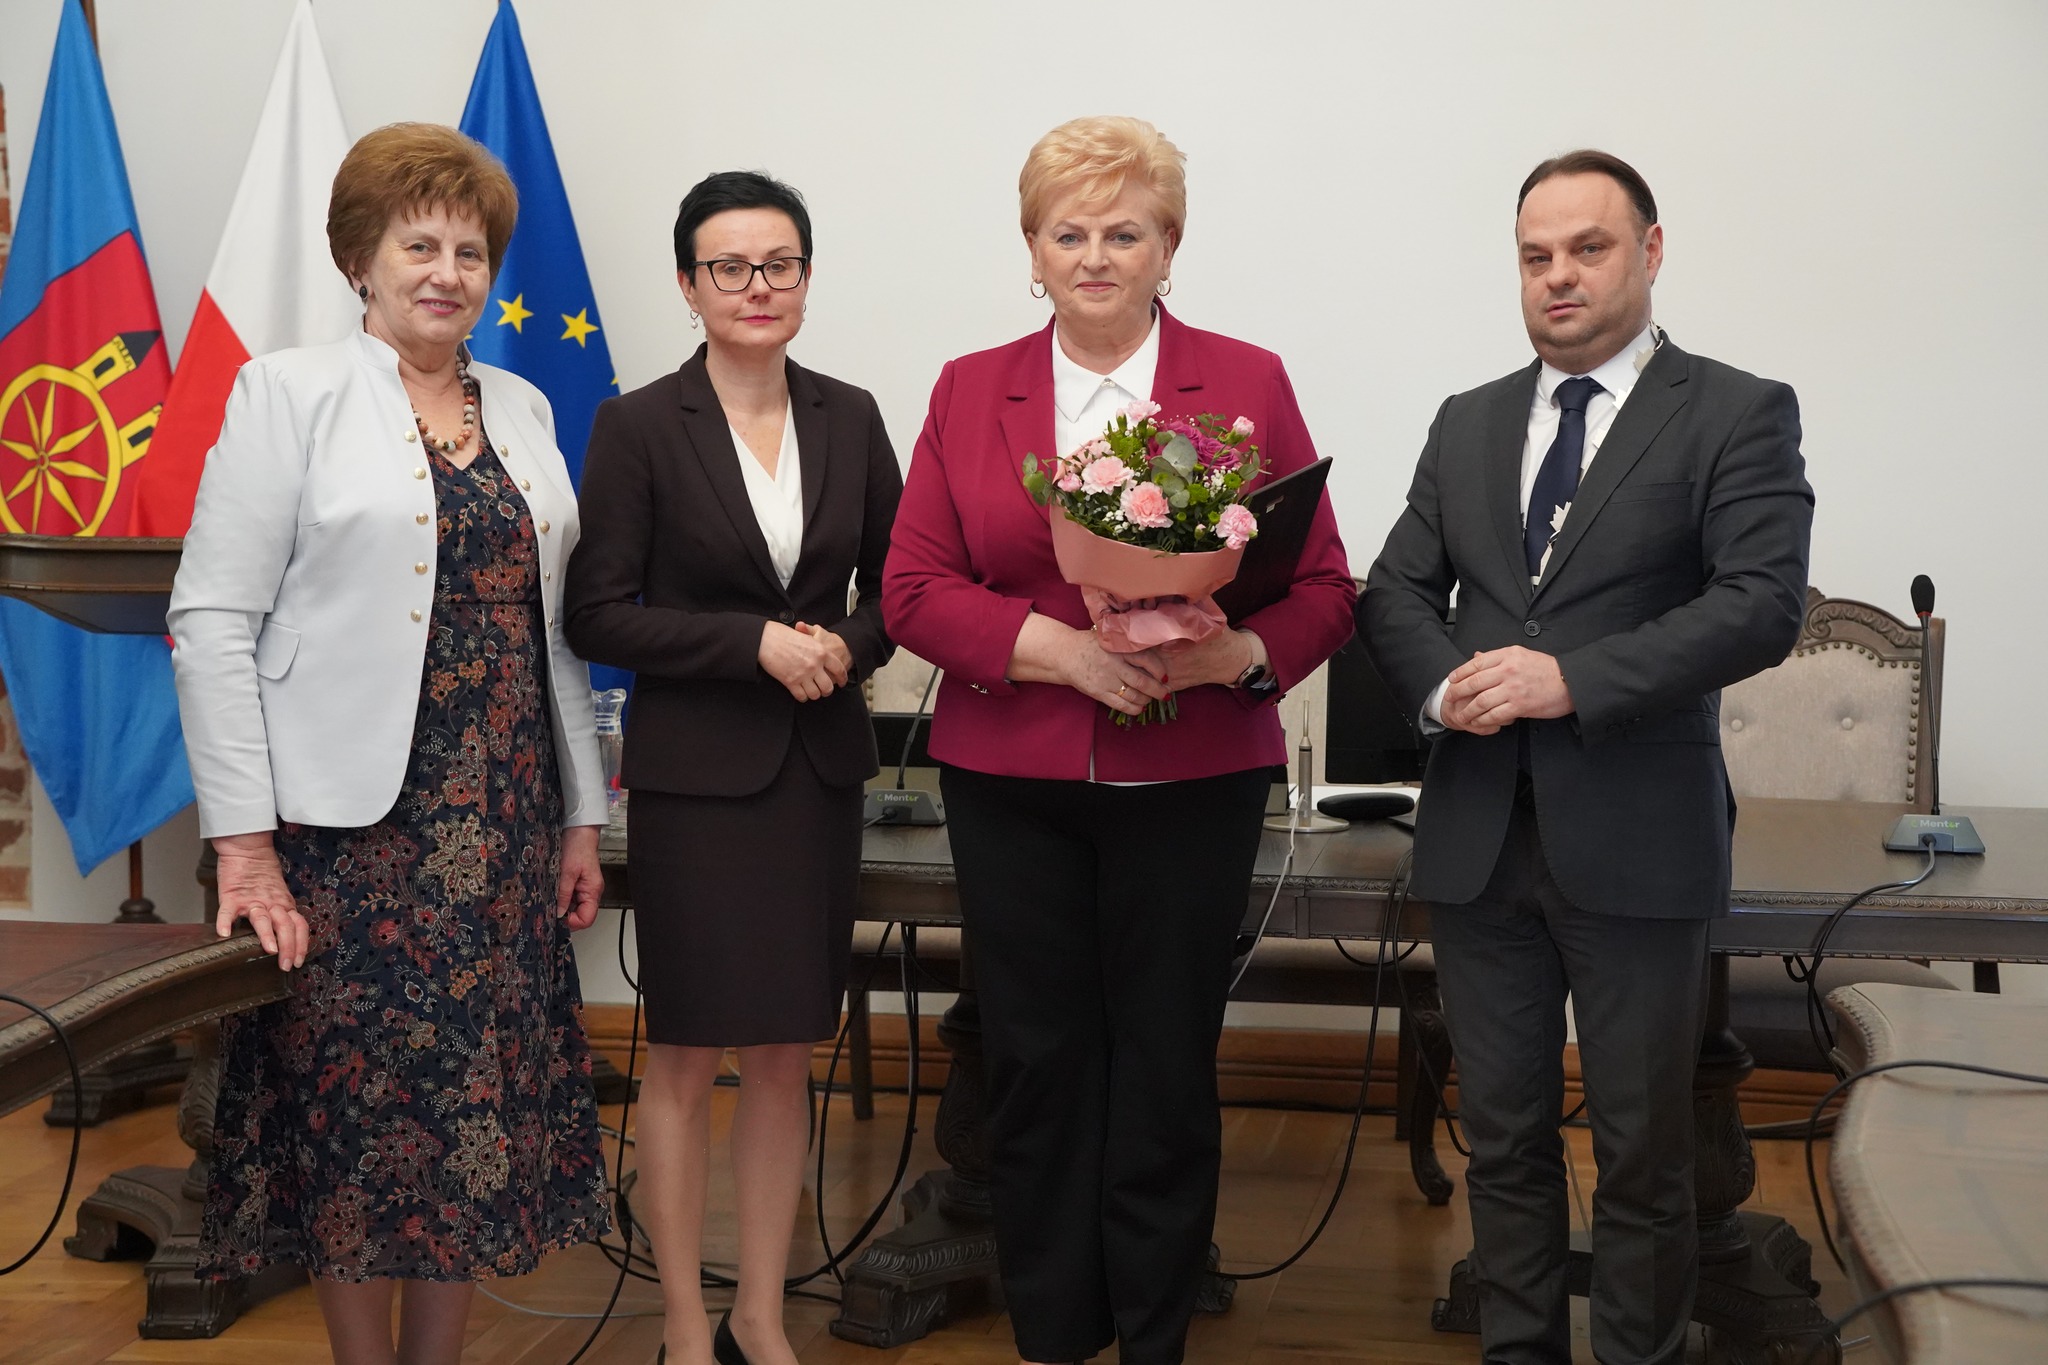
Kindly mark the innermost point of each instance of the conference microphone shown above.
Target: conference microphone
(1950, 833)
(898, 806)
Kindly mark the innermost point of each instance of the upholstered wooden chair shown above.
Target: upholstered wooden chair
(1852, 714)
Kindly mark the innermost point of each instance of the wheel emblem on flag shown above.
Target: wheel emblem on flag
(62, 451)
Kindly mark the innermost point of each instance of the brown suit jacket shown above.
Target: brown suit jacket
(672, 580)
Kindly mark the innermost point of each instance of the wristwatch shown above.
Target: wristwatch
(1258, 680)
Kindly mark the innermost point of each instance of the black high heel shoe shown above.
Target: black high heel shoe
(725, 1347)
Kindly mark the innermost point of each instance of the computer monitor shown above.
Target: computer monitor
(1367, 737)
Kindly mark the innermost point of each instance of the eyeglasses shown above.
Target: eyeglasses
(730, 277)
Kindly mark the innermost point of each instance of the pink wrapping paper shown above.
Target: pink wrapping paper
(1139, 598)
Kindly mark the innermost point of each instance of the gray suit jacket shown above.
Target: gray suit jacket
(1681, 568)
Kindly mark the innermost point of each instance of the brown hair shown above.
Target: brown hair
(1096, 156)
(404, 168)
(1589, 161)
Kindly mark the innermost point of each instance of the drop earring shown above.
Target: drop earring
(693, 321)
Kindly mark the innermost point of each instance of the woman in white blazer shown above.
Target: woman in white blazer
(395, 760)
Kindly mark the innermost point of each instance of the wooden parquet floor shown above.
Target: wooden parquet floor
(1362, 1294)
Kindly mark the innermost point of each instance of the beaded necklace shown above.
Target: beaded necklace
(469, 391)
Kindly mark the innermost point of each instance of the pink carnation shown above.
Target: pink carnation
(1242, 426)
(1105, 475)
(1098, 446)
(1145, 505)
(1237, 525)
(1069, 480)
(1138, 411)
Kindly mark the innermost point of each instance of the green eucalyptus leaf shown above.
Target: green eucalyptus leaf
(1179, 452)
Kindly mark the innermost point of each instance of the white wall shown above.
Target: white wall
(1853, 193)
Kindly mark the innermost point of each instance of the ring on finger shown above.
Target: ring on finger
(1121, 689)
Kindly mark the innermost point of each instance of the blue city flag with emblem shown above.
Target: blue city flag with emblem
(541, 322)
(82, 381)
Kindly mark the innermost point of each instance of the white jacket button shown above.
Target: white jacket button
(543, 528)
(525, 486)
(412, 436)
(421, 519)
(415, 613)
(420, 567)
(419, 473)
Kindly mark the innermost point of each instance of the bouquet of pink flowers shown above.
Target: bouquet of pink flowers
(1148, 521)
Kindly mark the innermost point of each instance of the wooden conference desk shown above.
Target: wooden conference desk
(1795, 861)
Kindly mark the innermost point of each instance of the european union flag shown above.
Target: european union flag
(541, 322)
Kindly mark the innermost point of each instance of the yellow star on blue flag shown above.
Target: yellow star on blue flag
(580, 326)
(515, 312)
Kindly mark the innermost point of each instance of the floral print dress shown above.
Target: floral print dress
(420, 1106)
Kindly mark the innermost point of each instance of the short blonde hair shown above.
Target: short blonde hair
(405, 168)
(1096, 156)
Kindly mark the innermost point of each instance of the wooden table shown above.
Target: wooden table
(114, 988)
(1795, 861)
(1943, 1174)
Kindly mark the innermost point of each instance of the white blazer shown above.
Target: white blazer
(300, 612)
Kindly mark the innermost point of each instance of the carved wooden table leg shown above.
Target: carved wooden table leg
(1756, 1291)
(155, 1211)
(942, 1261)
(1424, 1017)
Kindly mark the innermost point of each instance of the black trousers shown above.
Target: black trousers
(1101, 921)
(1505, 964)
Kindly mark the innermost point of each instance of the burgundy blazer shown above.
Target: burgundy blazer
(972, 556)
(672, 579)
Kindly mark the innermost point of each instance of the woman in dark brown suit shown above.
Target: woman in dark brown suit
(725, 509)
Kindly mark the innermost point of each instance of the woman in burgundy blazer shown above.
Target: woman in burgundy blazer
(1101, 913)
(726, 509)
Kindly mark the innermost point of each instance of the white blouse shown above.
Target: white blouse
(779, 501)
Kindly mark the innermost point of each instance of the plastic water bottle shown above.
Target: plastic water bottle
(610, 706)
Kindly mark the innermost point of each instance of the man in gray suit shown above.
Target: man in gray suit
(1625, 527)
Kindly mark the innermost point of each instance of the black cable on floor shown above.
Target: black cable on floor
(1813, 1121)
(77, 1127)
(624, 1209)
(1396, 901)
(834, 1259)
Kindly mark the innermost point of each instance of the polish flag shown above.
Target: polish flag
(273, 283)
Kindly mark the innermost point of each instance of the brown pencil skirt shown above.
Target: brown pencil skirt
(743, 908)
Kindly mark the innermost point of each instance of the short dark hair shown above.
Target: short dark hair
(1589, 161)
(727, 190)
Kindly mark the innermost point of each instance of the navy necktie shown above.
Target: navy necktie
(1557, 481)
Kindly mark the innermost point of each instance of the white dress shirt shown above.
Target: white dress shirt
(1083, 401)
(1617, 380)
(778, 500)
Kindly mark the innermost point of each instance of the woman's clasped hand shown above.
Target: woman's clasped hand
(808, 660)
